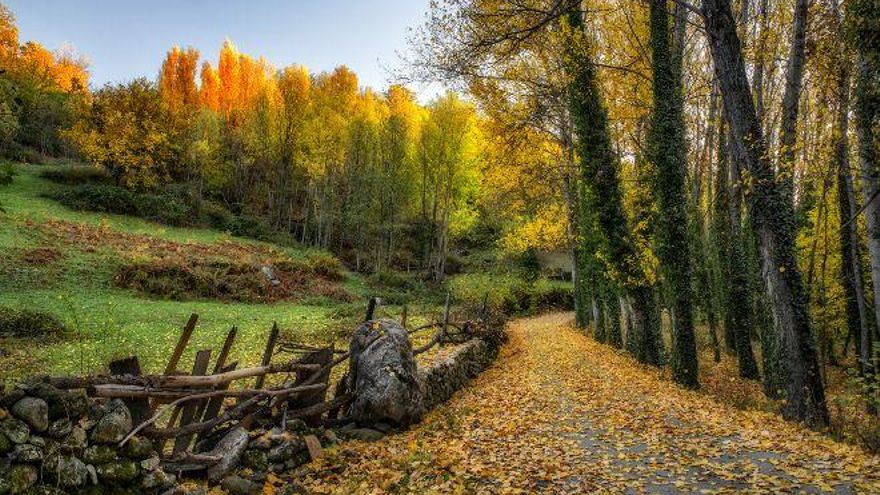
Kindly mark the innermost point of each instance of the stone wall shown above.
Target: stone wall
(453, 371)
(60, 442)
(55, 442)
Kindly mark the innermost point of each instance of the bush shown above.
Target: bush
(217, 216)
(167, 209)
(77, 175)
(255, 228)
(231, 280)
(326, 265)
(510, 294)
(7, 174)
(25, 154)
(27, 323)
(98, 197)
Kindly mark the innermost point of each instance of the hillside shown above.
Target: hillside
(67, 264)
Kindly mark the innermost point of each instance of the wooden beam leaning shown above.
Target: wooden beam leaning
(267, 354)
(182, 342)
(200, 367)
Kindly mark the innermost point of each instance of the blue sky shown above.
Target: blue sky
(125, 39)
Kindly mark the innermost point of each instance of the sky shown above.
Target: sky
(124, 39)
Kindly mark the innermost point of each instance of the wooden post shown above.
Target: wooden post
(200, 367)
(140, 408)
(224, 352)
(267, 354)
(403, 317)
(213, 406)
(185, 335)
(303, 400)
(371, 308)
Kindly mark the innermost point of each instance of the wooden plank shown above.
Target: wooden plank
(140, 408)
(200, 367)
(182, 342)
(267, 354)
(224, 352)
(321, 357)
(213, 406)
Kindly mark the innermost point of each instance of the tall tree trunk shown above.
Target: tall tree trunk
(794, 76)
(722, 238)
(773, 217)
(669, 153)
(602, 194)
(863, 19)
(739, 295)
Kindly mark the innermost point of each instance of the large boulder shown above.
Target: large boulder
(383, 376)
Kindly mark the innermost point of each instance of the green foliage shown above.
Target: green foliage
(509, 293)
(26, 323)
(77, 175)
(101, 198)
(7, 173)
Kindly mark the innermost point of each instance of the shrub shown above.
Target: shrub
(25, 154)
(167, 209)
(231, 280)
(255, 228)
(326, 265)
(7, 174)
(98, 197)
(27, 323)
(77, 175)
(510, 294)
(217, 216)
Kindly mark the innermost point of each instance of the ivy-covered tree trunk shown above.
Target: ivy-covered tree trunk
(612, 310)
(668, 151)
(740, 295)
(602, 193)
(773, 217)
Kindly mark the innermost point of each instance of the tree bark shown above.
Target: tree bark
(794, 76)
(773, 217)
(862, 18)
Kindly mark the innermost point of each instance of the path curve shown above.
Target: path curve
(560, 413)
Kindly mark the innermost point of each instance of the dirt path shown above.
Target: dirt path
(559, 413)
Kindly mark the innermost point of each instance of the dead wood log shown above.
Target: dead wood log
(236, 412)
(177, 381)
(188, 415)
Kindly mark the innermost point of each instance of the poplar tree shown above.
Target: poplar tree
(668, 150)
(602, 191)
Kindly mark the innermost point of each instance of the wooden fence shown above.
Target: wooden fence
(184, 408)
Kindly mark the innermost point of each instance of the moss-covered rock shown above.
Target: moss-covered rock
(123, 471)
(138, 448)
(99, 454)
(21, 477)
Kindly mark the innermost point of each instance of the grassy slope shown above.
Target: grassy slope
(111, 322)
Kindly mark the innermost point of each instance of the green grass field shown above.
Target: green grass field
(107, 322)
